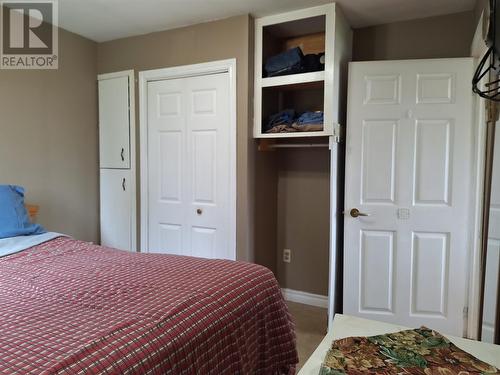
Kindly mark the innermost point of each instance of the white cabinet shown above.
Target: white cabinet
(316, 31)
(117, 160)
(114, 122)
(116, 209)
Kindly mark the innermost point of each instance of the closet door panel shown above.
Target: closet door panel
(114, 125)
(116, 209)
(167, 167)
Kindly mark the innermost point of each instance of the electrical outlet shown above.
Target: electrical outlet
(287, 255)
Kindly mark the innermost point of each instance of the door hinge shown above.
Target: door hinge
(466, 312)
(337, 134)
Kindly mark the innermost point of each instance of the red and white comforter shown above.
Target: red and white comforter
(70, 307)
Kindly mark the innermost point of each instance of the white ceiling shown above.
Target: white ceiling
(103, 20)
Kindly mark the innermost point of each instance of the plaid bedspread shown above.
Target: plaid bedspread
(70, 307)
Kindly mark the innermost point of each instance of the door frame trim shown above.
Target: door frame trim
(185, 71)
(478, 49)
(132, 149)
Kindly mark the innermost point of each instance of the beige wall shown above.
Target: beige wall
(228, 38)
(283, 197)
(434, 37)
(48, 138)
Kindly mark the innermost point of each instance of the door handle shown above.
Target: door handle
(123, 184)
(199, 211)
(357, 213)
(122, 154)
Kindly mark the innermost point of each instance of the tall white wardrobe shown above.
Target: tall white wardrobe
(117, 160)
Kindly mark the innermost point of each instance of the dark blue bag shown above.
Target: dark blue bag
(289, 62)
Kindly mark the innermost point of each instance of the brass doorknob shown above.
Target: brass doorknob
(199, 211)
(356, 213)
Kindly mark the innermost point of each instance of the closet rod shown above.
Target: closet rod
(299, 145)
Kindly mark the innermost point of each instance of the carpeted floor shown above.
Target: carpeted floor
(310, 327)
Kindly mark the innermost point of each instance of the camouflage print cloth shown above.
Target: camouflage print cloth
(419, 351)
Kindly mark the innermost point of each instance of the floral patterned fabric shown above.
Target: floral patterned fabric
(419, 351)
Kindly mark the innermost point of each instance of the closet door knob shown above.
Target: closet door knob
(122, 154)
(199, 211)
(123, 184)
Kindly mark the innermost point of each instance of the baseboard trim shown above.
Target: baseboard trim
(305, 298)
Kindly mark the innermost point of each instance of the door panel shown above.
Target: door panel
(408, 166)
(188, 166)
(170, 163)
(204, 167)
(116, 210)
(377, 271)
(379, 161)
(166, 166)
(435, 88)
(382, 89)
(208, 155)
(114, 123)
(170, 237)
(432, 158)
(204, 242)
(429, 273)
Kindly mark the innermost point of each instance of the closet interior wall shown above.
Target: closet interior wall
(303, 218)
(293, 212)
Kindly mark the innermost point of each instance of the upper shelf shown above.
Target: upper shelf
(293, 79)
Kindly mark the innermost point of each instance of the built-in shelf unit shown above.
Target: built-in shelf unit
(316, 30)
(293, 162)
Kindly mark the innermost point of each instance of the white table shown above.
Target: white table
(345, 326)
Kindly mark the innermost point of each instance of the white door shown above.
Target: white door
(491, 291)
(116, 209)
(409, 166)
(114, 124)
(189, 161)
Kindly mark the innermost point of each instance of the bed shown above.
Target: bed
(71, 307)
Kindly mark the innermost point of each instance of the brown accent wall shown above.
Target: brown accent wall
(481, 5)
(49, 141)
(434, 37)
(217, 40)
(266, 209)
(304, 219)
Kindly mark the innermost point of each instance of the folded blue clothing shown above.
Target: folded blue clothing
(288, 62)
(311, 118)
(284, 117)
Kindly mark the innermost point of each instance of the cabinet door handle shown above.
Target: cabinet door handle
(123, 184)
(122, 154)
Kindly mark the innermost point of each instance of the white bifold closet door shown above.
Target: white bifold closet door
(409, 166)
(189, 166)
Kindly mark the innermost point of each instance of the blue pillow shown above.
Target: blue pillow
(14, 218)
